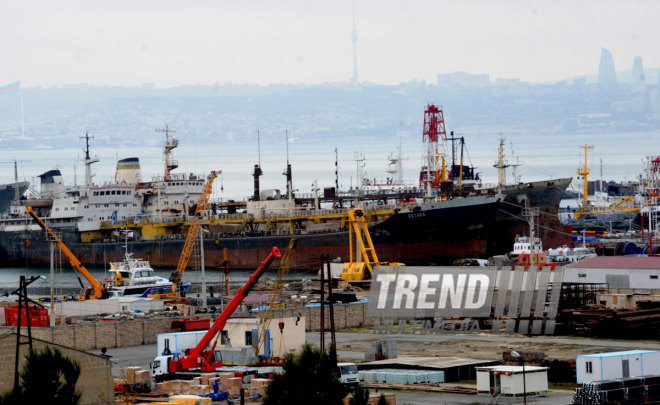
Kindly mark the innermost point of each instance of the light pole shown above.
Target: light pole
(522, 361)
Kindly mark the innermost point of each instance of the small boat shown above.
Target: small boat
(136, 277)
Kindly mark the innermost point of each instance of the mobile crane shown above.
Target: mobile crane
(201, 358)
(193, 232)
(98, 290)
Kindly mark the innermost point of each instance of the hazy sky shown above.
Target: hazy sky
(170, 43)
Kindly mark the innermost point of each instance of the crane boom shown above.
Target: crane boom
(100, 291)
(191, 237)
(176, 277)
(199, 356)
(275, 296)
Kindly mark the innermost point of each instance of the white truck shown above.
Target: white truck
(348, 374)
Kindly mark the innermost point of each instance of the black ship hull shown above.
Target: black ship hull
(430, 234)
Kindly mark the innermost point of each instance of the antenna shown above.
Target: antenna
(336, 171)
(354, 38)
(259, 148)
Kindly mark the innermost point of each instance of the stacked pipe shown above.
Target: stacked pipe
(634, 390)
(604, 322)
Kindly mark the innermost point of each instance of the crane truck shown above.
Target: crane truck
(201, 358)
(98, 290)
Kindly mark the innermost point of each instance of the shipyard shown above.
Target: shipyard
(206, 204)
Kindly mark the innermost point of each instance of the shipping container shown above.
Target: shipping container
(608, 366)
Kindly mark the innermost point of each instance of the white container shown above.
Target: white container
(512, 381)
(608, 366)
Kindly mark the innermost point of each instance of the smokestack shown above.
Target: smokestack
(256, 174)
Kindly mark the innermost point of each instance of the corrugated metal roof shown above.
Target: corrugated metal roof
(618, 354)
(514, 369)
(427, 362)
(618, 262)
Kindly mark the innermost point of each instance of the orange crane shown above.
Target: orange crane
(98, 290)
(193, 232)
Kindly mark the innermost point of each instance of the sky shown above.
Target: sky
(171, 43)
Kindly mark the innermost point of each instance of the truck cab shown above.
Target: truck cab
(348, 374)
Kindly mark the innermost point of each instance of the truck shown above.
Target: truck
(348, 374)
(203, 358)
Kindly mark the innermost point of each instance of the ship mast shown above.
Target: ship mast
(88, 162)
(170, 144)
(585, 172)
(501, 165)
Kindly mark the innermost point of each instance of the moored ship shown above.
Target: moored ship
(448, 217)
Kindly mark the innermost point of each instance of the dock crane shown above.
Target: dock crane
(363, 257)
(193, 232)
(201, 357)
(98, 290)
(263, 336)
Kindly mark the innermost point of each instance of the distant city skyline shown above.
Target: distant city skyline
(171, 43)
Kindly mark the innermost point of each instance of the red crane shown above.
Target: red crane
(434, 128)
(201, 357)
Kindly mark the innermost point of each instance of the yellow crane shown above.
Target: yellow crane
(274, 299)
(193, 233)
(363, 257)
(98, 290)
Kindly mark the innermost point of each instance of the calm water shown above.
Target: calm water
(66, 282)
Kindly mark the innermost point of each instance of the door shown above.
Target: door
(625, 368)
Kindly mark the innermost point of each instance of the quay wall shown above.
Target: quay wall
(121, 333)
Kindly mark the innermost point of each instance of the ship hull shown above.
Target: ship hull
(431, 234)
(510, 222)
(428, 234)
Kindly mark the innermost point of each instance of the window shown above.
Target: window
(106, 205)
(224, 337)
(589, 367)
(653, 277)
(96, 193)
(582, 275)
(248, 338)
(114, 192)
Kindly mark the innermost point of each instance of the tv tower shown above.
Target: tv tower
(354, 38)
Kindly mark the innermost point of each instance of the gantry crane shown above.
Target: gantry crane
(363, 257)
(97, 290)
(274, 301)
(193, 232)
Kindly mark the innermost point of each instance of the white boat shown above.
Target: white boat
(136, 277)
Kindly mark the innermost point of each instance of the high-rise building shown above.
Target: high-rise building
(606, 72)
(638, 79)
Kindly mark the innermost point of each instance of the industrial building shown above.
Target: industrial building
(623, 273)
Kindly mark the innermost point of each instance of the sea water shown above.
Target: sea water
(539, 155)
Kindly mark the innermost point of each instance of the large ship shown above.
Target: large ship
(446, 217)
